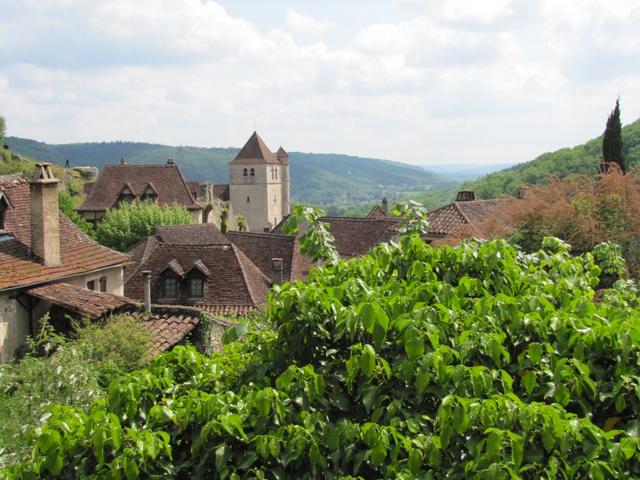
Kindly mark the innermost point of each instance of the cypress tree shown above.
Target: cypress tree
(612, 139)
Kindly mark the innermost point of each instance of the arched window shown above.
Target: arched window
(244, 172)
(253, 172)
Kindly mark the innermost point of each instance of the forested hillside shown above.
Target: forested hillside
(321, 179)
(580, 159)
(561, 163)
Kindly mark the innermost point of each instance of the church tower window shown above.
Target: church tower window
(253, 172)
(244, 172)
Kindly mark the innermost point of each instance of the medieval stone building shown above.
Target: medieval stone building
(259, 185)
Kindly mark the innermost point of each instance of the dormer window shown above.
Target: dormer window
(245, 172)
(196, 279)
(126, 195)
(253, 172)
(170, 279)
(4, 206)
(170, 287)
(149, 194)
(196, 287)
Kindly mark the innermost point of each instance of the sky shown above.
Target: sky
(421, 82)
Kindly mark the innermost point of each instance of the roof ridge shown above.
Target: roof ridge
(462, 213)
(260, 234)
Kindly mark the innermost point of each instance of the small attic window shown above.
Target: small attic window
(170, 287)
(4, 206)
(149, 194)
(245, 172)
(126, 196)
(253, 172)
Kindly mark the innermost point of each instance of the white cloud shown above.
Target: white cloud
(437, 83)
(300, 23)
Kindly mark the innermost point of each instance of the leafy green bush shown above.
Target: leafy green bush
(65, 202)
(124, 226)
(73, 372)
(413, 362)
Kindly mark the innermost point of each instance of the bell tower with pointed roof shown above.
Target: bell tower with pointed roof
(259, 184)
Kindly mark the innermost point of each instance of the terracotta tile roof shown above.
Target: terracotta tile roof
(356, 236)
(229, 310)
(197, 234)
(255, 152)
(283, 156)
(170, 324)
(167, 180)
(82, 301)
(222, 192)
(233, 279)
(378, 212)
(466, 218)
(261, 248)
(18, 268)
(194, 187)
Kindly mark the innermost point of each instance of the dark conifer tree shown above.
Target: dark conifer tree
(612, 139)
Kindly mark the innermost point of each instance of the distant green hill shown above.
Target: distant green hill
(561, 163)
(580, 159)
(320, 179)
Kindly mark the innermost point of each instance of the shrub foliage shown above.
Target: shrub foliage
(476, 361)
(124, 226)
(73, 372)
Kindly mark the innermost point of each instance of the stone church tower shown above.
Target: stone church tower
(259, 186)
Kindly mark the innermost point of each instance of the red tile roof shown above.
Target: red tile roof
(221, 191)
(197, 234)
(255, 152)
(170, 324)
(229, 310)
(262, 248)
(82, 301)
(468, 218)
(233, 279)
(18, 268)
(356, 236)
(167, 180)
(378, 212)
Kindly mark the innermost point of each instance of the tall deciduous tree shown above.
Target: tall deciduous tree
(612, 139)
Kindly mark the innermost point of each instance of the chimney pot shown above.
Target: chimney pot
(124, 161)
(465, 196)
(524, 192)
(385, 204)
(277, 267)
(171, 161)
(146, 275)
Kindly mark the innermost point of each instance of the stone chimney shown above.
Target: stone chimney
(385, 204)
(171, 161)
(123, 161)
(465, 196)
(146, 275)
(524, 192)
(45, 216)
(278, 270)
